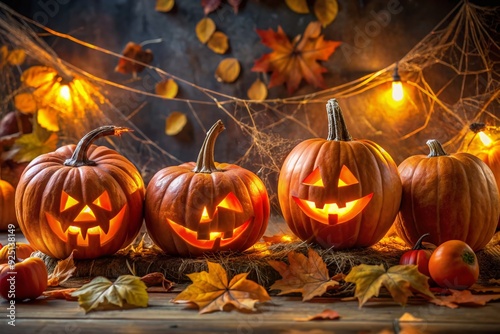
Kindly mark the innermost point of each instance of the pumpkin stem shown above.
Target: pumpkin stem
(337, 129)
(79, 157)
(205, 162)
(418, 244)
(436, 149)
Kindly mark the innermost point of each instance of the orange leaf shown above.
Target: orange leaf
(307, 275)
(325, 315)
(212, 292)
(228, 70)
(164, 5)
(257, 91)
(291, 62)
(463, 297)
(135, 52)
(175, 122)
(298, 6)
(62, 272)
(157, 279)
(167, 88)
(205, 29)
(326, 11)
(218, 42)
(61, 294)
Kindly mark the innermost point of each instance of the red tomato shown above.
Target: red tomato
(453, 264)
(419, 256)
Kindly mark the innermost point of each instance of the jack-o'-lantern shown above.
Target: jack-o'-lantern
(86, 198)
(339, 193)
(201, 207)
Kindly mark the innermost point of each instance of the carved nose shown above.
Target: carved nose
(85, 215)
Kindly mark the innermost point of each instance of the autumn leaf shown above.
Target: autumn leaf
(398, 280)
(325, 315)
(15, 57)
(463, 297)
(101, 294)
(205, 29)
(257, 91)
(25, 103)
(167, 88)
(30, 145)
(290, 62)
(61, 294)
(164, 5)
(212, 292)
(228, 70)
(133, 51)
(175, 122)
(157, 279)
(326, 11)
(218, 42)
(408, 317)
(62, 272)
(298, 6)
(307, 275)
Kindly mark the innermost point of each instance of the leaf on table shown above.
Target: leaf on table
(164, 5)
(210, 291)
(409, 317)
(61, 294)
(175, 122)
(463, 297)
(306, 275)
(298, 6)
(325, 315)
(157, 279)
(133, 51)
(25, 103)
(210, 5)
(62, 272)
(31, 145)
(326, 11)
(101, 294)
(167, 88)
(205, 29)
(218, 42)
(399, 280)
(257, 91)
(290, 62)
(228, 70)
(480, 288)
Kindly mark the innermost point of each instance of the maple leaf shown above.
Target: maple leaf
(463, 297)
(291, 62)
(30, 145)
(101, 294)
(62, 272)
(307, 275)
(399, 281)
(212, 292)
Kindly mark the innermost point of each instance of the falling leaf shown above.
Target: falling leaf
(205, 29)
(228, 70)
(463, 297)
(16, 57)
(101, 294)
(326, 11)
(307, 275)
(164, 5)
(399, 281)
(210, 5)
(167, 88)
(176, 121)
(257, 91)
(298, 6)
(48, 119)
(325, 315)
(409, 317)
(157, 279)
(30, 145)
(37, 76)
(25, 103)
(61, 294)
(62, 272)
(291, 62)
(218, 42)
(212, 292)
(135, 52)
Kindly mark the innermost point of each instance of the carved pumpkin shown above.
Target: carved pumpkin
(85, 197)
(339, 192)
(449, 196)
(205, 206)
(491, 157)
(7, 211)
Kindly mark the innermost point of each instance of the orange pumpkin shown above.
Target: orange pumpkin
(7, 211)
(339, 192)
(23, 251)
(86, 198)
(449, 196)
(201, 207)
(491, 157)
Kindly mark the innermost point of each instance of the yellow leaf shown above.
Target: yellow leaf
(31, 145)
(175, 123)
(101, 294)
(47, 118)
(228, 70)
(25, 103)
(218, 42)
(398, 280)
(167, 88)
(164, 5)
(326, 11)
(36, 76)
(212, 292)
(409, 317)
(298, 6)
(257, 91)
(16, 57)
(307, 275)
(205, 29)
(62, 272)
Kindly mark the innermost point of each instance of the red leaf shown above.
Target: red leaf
(133, 51)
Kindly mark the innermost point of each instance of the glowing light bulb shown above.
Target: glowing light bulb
(485, 138)
(65, 93)
(397, 86)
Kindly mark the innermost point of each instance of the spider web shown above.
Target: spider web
(451, 80)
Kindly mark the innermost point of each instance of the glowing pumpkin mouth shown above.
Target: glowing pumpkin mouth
(216, 241)
(86, 229)
(330, 213)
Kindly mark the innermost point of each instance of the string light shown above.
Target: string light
(397, 85)
(480, 128)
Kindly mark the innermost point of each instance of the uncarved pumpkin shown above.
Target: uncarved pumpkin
(7, 210)
(202, 207)
(491, 157)
(449, 196)
(339, 192)
(86, 198)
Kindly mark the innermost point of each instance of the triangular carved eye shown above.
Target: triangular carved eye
(314, 179)
(103, 201)
(346, 177)
(231, 202)
(67, 201)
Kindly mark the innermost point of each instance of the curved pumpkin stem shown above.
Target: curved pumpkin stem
(436, 149)
(205, 162)
(79, 157)
(418, 244)
(337, 129)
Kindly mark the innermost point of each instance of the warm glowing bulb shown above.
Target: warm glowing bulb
(485, 138)
(65, 93)
(397, 91)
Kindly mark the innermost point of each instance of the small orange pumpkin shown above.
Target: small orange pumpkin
(7, 210)
(23, 251)
(491, 157)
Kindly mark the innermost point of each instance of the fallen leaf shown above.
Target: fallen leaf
(409, 317)
(205, 29)
(463, 297)
(228, 70)
(61, 294)
(25, 103)
(101, 294)
(480, 288)
(167, 88)
(157, 279)
(16, 57)
(298, 6)
(30, 145)
(164, 5)
(48, 119)
(62, 272)
(210, 5)
(290, 62)
(399, 281)
(257, 91)
(325, 315)
(212, 292)
(218, 42)
(133, 51)
(326, 11)
(306, 275)
(176, 121)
